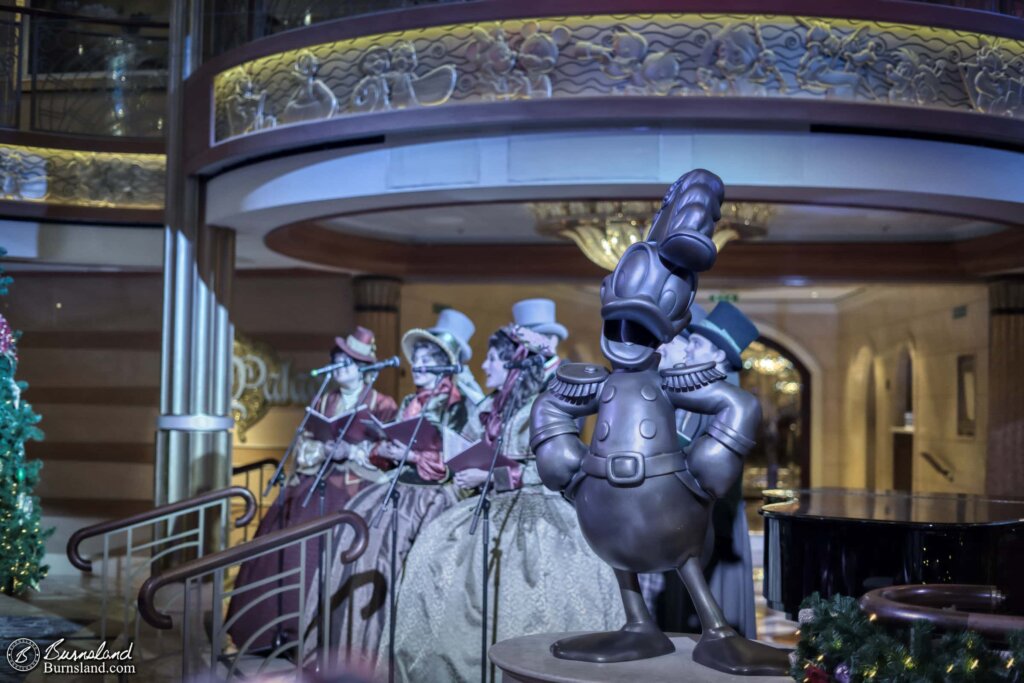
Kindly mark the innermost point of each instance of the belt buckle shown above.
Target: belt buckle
(637, 475)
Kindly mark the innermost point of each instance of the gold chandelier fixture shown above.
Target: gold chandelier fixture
(603, 230)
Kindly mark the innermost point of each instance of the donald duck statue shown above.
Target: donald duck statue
(642, 504)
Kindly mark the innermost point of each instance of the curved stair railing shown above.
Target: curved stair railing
(130, 548)
(208, 589)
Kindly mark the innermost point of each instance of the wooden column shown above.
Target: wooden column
(377, 301)
(1005, 462)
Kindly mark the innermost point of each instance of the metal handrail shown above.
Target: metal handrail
(232, 556)
(937, 466)
(242, 469)
(181, 506)
(932, 603)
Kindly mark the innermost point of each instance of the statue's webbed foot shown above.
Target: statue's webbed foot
(613, 646)
(734, 654)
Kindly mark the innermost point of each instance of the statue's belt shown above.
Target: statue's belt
(632, 468)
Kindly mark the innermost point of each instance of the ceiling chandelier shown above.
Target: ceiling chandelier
(604, 229)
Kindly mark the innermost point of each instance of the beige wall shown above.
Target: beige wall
(297, 314)
(876, 327)
(91, 355)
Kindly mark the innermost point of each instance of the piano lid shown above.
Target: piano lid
(891, 507)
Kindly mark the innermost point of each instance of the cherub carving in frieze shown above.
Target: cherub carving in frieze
(625, 56)
(390, 81)
(737, 62)
(833, 64)
(247, 105)
(914, 78)
(312, 99)
(522, 72)
(643, 504)
(991, 83)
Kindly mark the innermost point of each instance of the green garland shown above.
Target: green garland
(841, 644)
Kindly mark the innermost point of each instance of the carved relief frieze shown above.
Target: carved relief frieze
(661, 55)
(78, 178)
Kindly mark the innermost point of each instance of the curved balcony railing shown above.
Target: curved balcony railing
(229, 24)
(887, 65)
(82, 75)
(82, 107)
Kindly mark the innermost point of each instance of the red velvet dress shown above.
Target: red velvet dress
(251, 611)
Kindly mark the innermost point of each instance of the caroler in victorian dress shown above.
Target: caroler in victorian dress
(251, 614)
(543, 576)
(359, 590)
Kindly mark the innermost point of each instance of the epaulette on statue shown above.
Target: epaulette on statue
(577, 383)
(691, 377)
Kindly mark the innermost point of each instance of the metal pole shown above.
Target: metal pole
(401, 462)
(392, 587)
(486, 539)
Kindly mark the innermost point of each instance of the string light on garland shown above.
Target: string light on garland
(839, 643)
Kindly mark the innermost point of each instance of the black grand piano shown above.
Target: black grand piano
(842, 541)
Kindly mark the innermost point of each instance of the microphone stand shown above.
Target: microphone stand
(483, 508)
(279, 472)
(391, 498)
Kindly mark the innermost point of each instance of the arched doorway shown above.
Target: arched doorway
(782, 457)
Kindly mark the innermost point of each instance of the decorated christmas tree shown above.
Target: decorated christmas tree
(21, 539)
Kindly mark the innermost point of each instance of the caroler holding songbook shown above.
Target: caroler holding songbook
(323, 442)
(542, 576)
(437, 412)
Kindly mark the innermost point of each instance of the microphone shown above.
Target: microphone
(524, 363)
(389, 363)
(380, 365)
(329, 368)
(439, 369)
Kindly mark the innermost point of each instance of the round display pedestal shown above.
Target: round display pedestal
(528, 659)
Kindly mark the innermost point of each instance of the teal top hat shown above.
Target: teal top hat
(452, 333)
(539, 316)
(727, 328)
(697, 314)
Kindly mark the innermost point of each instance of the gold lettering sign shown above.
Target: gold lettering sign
(261, 380)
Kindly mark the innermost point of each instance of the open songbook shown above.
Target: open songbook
(458, 452)
(428, 438)
(462, 454)
(325, 428)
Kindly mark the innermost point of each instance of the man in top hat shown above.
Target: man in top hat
(673, 353)
(720, 336)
